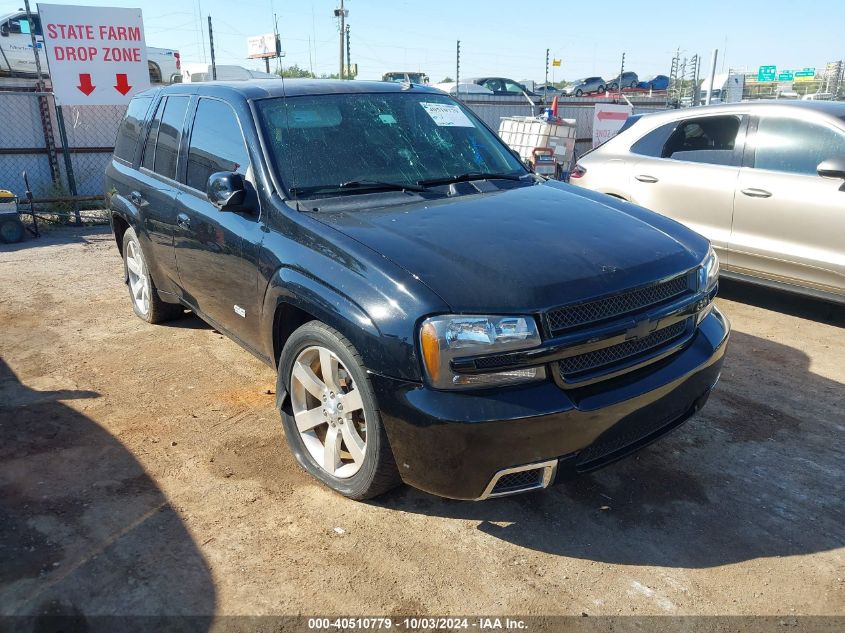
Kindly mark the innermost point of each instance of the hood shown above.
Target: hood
(524, 249)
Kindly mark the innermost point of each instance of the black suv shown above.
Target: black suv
(437, 313)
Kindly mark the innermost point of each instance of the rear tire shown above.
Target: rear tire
(346, 449)
(143, 294)
(579, 93)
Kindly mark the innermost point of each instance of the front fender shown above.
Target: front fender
(384, 342)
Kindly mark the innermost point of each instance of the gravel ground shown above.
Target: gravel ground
(143, 471)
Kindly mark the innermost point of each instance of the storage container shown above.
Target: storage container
(524, 134)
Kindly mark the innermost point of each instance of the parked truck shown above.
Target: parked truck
(17, 58)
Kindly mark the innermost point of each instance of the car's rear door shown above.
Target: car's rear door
(217, 251)
(789, 222)
(687, 170)
(156, 189)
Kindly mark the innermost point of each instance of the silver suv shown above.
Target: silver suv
(585, 86)
(765, 181)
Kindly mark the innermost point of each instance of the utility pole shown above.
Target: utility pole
(546, 81)
(712, 75)
(348, 56)
(341, 13)
(458, 71)
(211, 47)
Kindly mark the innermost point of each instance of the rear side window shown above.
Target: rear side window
(216, 143)
(130, 130)
(652, 143)
(150, 147)
(794, 146)
(705, 140)
(169, 133)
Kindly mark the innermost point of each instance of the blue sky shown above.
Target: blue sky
(504, 38)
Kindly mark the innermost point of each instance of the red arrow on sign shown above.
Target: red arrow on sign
(85, 84)
(122, 85)
(604, 115)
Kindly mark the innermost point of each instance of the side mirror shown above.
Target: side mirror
(4, 29)
(226, 191)
(832, 168)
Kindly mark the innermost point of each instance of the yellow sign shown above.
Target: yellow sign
(556, 62)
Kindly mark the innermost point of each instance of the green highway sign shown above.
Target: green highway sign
(786, 75)
(767, 73)
(807, 72)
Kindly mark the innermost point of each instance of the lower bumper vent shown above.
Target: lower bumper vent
(518, 479)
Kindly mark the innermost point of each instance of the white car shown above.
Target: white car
(452, 89)
(16, 51)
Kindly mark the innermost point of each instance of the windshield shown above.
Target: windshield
(320, 142)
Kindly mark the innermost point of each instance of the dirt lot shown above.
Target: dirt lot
(143, 470)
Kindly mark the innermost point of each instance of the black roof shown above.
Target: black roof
(262, 88)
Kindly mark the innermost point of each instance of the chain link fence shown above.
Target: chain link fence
(63, 151)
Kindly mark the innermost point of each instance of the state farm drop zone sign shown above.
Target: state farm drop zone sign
(96, 55)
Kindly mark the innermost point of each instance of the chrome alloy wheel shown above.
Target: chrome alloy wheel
(328, 412)
(139, 283)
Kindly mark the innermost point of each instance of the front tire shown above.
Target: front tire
(143, 294)
(331, 420)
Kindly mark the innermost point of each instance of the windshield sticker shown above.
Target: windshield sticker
(387, 119)
(447, 114)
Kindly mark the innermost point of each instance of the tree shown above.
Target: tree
(447, 80)
(295, 72)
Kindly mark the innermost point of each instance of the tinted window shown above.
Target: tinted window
(652, 143)
(150, 147)
(795, 146)
(170, 129)
(216, 144)
(705, 140)
(130, 129)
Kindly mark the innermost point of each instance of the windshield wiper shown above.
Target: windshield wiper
(357, 185)
(380, 185)
(473, 175)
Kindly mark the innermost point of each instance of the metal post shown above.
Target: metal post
(621, 70)
(712, 75)
(546, 82)
(71, 180)
(211, 47)
(458, 71)
(348, 56)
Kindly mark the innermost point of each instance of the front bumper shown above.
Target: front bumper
(453, 444)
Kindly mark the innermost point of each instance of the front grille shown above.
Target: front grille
(522, 480)
(591, 312)
(616, 353)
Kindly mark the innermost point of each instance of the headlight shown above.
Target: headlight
(443, 338)
(710, 271)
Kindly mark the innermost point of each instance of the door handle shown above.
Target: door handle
(135, 198)
(645, 178)
(757, 193)
(183, 221)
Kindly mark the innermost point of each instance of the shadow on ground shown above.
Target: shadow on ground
(84, 531)
(758, 473)
(786, 302)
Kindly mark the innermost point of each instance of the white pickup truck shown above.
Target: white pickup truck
(16, 55)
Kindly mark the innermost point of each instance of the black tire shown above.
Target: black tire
(11, 229)
(378, 472)
(157, 311)
(633, 84)
(579, 93)
(601, 89)
(614, 86)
